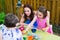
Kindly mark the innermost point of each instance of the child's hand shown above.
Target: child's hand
(30, 26)
(24, 32)
(43, 29)
(18, 24)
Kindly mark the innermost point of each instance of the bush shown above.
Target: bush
(2, 15)
(56, 29)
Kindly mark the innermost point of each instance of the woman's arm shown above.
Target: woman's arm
(22, 20)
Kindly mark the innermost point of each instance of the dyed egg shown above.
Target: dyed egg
(22, 28)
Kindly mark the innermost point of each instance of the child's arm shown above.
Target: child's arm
(35, 12)
(48, 14)
(0, 35)
(47, 21)
(29, 26)
(32, 22)
(47, 25)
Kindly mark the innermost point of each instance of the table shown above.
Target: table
(44, 35)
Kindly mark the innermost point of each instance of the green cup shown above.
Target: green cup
(24, 38)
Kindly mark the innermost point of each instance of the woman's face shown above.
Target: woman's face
(40, 15)
(27, 11)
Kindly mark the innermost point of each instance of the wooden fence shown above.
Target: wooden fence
(52, 5)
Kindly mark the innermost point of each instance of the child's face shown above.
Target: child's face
(27, 11)
(40, 15)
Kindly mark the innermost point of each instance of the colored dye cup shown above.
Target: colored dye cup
(30, 37)
(33, 30)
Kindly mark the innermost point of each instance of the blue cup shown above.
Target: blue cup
(33, 30)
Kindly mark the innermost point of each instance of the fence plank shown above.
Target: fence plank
(8, 6)
(57, 14)
(53, 12)
(0, 5)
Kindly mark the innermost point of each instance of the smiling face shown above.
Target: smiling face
(27, 11)
(40, 15)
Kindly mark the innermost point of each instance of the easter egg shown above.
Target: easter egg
(22, 28)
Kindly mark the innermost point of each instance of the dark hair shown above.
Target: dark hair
(43, 10)
(31, 15)
(11, 20)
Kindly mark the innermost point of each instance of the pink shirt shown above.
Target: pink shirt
(41, 24)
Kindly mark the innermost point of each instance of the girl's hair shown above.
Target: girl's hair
(43, 10)
(31, 15)
(11, 20)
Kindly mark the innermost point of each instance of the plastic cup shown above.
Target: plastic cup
(24, 38)
(33, 30)
(30, 37)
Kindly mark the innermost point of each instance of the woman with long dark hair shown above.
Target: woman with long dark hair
(28, 17)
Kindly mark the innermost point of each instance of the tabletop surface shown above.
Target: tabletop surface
(44, 35)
